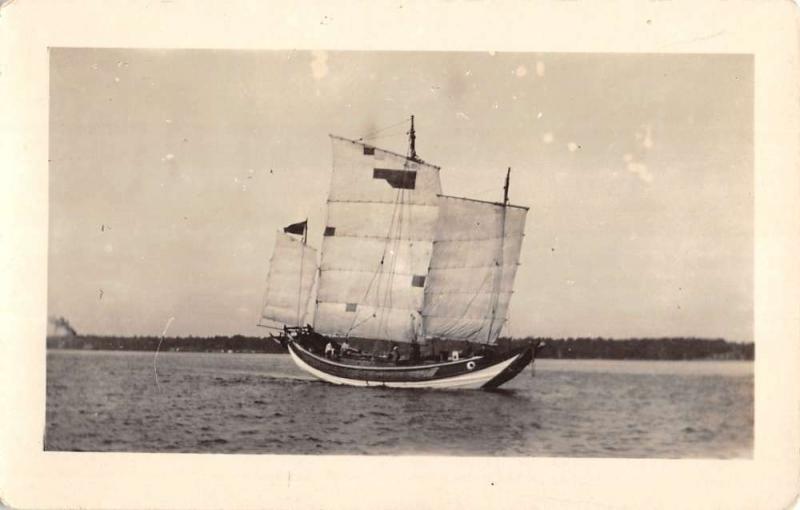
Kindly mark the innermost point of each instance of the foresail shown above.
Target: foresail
(377, 245)
(292, 270)
(472, 269)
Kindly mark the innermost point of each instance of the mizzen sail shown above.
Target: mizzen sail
(292, 270)
(472, 270)
(377, 245)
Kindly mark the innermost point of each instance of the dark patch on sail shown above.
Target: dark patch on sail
(296, 228)
(396, 178)
(369, 151)
(350, 307)
(330, 231)
(417, 281)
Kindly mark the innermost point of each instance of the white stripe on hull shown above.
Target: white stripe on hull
(470, 380)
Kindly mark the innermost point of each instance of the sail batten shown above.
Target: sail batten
(501, 204)
(292, 271)
(379, 151)
(368, 271)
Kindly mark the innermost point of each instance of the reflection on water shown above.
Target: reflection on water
(261, 403)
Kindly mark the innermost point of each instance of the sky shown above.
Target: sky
(172, 170)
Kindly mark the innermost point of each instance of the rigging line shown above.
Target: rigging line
(382, 269)
(396, 243)
(469, 305)
(269, 327)
(379, 134)
(418, 305)
(386, 133)
(498, 271)
(383, 137)
(375, 276)
(404, 213)
(397, 247)
(318, 257)
(409, 229)
(392, 240)
(390, 272)
(155, 356)
(384, 129)
(368, 317)
(353, 324)
(390, 268)
(300, 286)
(477, 293)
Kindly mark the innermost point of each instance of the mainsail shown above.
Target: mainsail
(291, 276)
(377, 245)
(472, 269)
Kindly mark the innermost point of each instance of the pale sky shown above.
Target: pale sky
(171, 171)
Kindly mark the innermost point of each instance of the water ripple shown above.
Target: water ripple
(256, 403)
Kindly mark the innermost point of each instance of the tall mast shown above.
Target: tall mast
(412, 138)
(505, 188)
(499, 262)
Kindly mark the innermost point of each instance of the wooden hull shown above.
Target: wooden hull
(477, 372)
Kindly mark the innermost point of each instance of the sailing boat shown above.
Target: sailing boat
(403, 269)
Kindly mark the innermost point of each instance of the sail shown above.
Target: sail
(291, 276)
(377, 245)
(472, 269)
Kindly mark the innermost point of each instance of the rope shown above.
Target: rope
(155, 356)
(300, 286)
(377, 274)
(383, 137)
(396, 228)
(387, 269)
(373, 133)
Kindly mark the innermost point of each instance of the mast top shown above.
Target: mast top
(505, 188)
(412, 138)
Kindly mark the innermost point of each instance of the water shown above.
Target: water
(261, 403)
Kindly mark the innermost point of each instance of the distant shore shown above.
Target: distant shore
(557, 348)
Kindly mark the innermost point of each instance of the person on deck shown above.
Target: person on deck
(344, 349)
(395, 355)
(329, 350)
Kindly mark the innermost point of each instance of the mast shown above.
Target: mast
(499, 262)
(412, 139)
(505, 188)
(300, 282)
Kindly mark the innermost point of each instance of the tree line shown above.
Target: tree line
(673, 348)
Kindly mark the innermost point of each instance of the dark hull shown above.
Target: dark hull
(484, 371)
